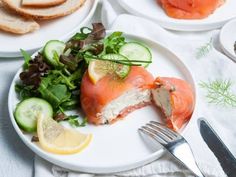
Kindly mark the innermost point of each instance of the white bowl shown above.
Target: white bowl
(228, 38)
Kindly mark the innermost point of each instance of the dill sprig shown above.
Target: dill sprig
(205, 49)
(219, 92)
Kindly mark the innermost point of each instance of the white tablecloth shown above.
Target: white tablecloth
(16, 159)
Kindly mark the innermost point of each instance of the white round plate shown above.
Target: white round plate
(152, 10)
(116, 147)
(61, 28)
(227, 39)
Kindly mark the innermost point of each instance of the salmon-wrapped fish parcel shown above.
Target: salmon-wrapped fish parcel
(113, 98)
(175, 97)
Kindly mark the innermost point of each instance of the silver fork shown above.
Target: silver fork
(174, 143)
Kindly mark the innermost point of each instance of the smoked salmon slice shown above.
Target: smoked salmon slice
(112, 98)
(190, 9)
(175, 97)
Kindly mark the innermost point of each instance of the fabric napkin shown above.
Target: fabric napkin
(213, 66)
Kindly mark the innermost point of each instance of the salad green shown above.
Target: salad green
(55, 74)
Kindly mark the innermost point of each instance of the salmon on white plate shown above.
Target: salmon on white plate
(105, 76)
(190, 9)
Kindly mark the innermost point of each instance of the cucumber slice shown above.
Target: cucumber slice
(27, 111)
(136, 51)
(121, 70)
(52, 51)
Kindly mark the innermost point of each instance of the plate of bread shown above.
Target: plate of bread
(28, 24)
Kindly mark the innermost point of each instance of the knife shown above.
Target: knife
(216, 145)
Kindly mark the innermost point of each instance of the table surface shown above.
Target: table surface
(15, 157)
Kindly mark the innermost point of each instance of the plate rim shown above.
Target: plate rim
(179, 25)
(100, 170)
(17, 54)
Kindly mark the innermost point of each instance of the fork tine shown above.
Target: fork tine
(166, 129)
(161, 130)
(157, 133)
(152, 135)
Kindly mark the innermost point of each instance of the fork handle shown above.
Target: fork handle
(184, 155)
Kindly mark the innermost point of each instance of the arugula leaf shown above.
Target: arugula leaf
(27, 58)
(25, 91)
(70, 104)
(82, 35)
(73, 121)
(62, 79)
(113, 43)
(77, 75)
(54, 94)
(56, 59)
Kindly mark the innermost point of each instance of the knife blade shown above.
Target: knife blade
(216, 145)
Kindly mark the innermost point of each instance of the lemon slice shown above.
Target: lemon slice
(97, 69)
(53, 137)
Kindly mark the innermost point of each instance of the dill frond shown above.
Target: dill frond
(219, 92)
(205, 49)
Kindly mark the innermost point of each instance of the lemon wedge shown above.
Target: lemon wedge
(55, 138)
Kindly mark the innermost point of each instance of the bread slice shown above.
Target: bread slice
(42, 3)
(11, 22)
(45, 13)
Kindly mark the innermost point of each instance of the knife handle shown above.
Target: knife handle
(216, 145)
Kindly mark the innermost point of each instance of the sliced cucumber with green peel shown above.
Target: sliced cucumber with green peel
(136, 51)
(27, 111)
(52, 51)
(121, 70)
